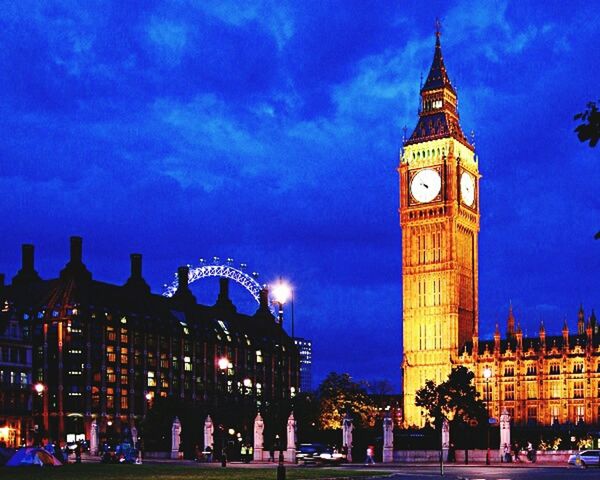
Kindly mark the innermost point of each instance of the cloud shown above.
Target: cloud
(170, 38)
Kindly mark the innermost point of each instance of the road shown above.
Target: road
(491, 473)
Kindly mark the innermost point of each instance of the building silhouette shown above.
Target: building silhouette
(539, 380)
(104, 353)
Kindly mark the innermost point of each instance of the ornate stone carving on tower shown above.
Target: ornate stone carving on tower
(439, 216)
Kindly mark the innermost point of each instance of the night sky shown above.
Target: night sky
(270, 132)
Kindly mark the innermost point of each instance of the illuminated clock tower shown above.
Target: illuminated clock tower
(439, 216)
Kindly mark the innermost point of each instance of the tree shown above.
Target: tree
(456, 398)
(339, 394)
(589, 129)
(380, 387)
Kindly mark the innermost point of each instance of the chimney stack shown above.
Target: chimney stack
(136, 266)
(27, 258)
(27, 272)
(182, 278)
(76, 248)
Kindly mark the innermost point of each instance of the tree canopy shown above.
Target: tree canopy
(456, 398)
(339, 394)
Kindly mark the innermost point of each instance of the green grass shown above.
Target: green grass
(169, 472)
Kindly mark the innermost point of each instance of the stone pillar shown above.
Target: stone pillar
(134, 436)
(291, 439)
(504, 432)
(445, 438)
(388, 438)
(175, 437)
(347, 428)
(259, 427)
(209, 430)
(94, 438)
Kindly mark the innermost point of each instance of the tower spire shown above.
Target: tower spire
(438, 114)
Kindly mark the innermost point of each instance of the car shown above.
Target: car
(585, 458)
(318, 453)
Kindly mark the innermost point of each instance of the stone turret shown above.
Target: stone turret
(580, 321)
(497, 339)
(519, 336)
(542, 336)
(510, 322)
(565, 334)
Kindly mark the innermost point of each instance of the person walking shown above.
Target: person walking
(370, 454)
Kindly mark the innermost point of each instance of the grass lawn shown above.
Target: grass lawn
(168, 472)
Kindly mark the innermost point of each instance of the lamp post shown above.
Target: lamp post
(282, 292)
(487, 374)
(223, 364)
(39, 389)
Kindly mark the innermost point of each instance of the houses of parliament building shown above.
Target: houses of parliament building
(542, 380)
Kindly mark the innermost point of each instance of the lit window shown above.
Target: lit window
(259, 357)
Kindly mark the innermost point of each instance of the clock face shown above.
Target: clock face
(467, 189)
(425, 185)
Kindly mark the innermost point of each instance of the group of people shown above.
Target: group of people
(516, 449)
(206, 455)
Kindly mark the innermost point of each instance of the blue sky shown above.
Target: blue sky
(270, 132)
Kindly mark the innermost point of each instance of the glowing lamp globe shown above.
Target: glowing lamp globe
(282, 292)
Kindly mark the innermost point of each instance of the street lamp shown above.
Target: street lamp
(487, 374)
(282, 292)
(223, 364)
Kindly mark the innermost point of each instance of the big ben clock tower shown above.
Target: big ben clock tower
(439, 216)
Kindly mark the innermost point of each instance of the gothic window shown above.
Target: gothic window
(554, 413)
(422, 293)
(110, 375)
(580, 412)
(509, 391)
(422, 337)
(578, 389)
(531, 369)
(555, 389)
(578, 367)
(436, 241)
(437, 292)
(509, 371)
(532, 415)
(422, 248)
(554, 368)
(531, 390)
